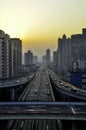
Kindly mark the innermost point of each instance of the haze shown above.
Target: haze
(39, 23)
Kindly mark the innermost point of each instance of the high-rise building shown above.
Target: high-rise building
(44, 59)
(79, 50)
(25, 58)
(28, 58)
(48, 56)
(64, 54)
(35, 59)
(4, 55)
(55, 57)
(15, 56)
(10, 56)
(72, 52)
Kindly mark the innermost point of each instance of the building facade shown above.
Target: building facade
(64, 54)
(35, 59)
(28, 58)
(79, 51)
(4, 55)
(48, 59)
(10, 56)
(72, 52)
(44, 59)
(15, 57)
(55, 57)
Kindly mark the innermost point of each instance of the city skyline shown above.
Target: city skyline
(39, 23)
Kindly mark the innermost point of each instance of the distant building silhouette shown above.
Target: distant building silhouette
(25, 58)
(48, 56)
(35, 59)
(28, 58)
(44, 59)
(55, 57)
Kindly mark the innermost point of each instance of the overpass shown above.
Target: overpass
(66, 88)
(14, 84)
(43, 110)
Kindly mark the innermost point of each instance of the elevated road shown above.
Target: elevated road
(15, 82)
(36, 106)
(43, 110)
(39, 90)
(66, 88)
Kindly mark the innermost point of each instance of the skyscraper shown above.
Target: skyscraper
(64, 54)
(35, 59)
(28, 58)
(48, 56)
(44, 59)
(72, 52)
(79, 50)
(15, 56)
(4, 55)
(25, 58)
(10, 56)
(55, 57)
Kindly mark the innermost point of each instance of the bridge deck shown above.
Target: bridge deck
(43, 110)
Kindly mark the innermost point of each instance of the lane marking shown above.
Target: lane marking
(22, 124)
(73, 110)
(47, 127)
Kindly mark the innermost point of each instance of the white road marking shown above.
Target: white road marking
(47, 127)
(73, 110)
(22, 124)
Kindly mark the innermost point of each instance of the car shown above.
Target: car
(48, 93)
(36, 91)
(61, 82)
(18, 81)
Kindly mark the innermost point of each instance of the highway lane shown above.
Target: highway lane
(44, 94)
(40, 90)
(22, 97)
